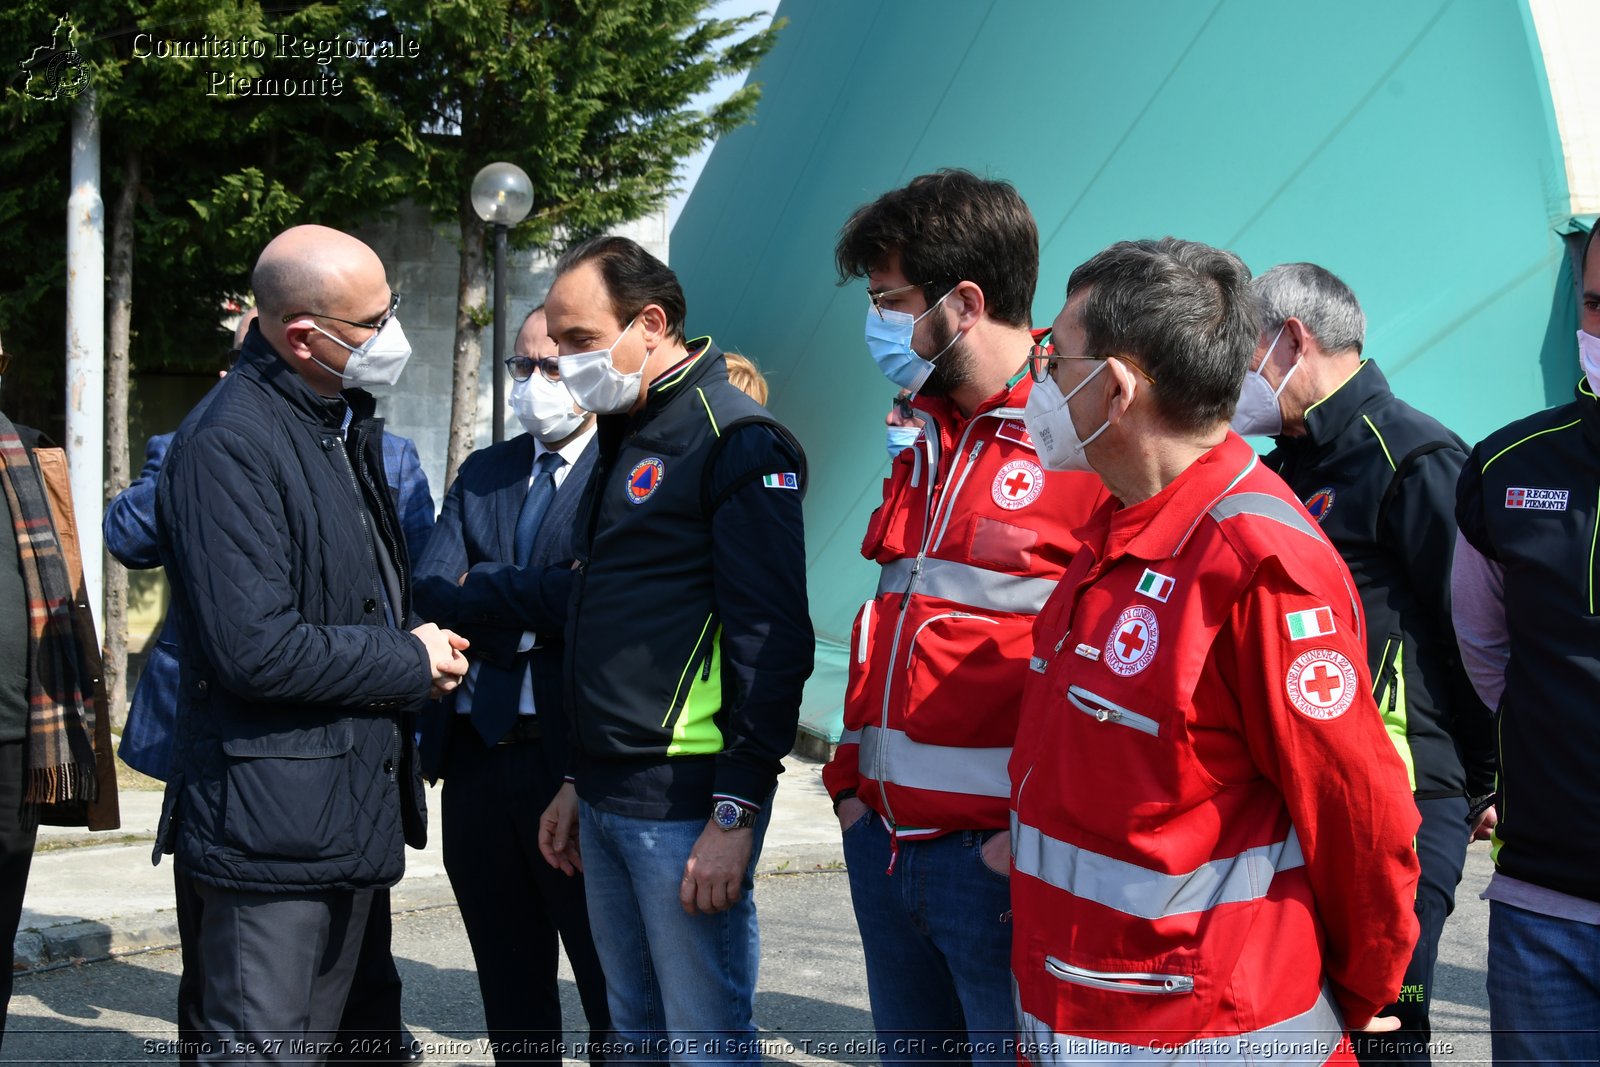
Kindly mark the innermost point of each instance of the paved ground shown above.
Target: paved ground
(811, 1001)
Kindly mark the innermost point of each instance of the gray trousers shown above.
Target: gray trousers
(277, 969)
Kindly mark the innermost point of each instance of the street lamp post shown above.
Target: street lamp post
(502, 196)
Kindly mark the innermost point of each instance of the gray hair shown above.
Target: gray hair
(1317, 298)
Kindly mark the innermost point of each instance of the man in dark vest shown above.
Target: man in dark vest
(688, 643)
(498, 569)
(1379, 477)
(1524, 602)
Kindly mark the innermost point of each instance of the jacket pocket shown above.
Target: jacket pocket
(1145, 983)
(964, 674)
(1103, 710)
(288, 794)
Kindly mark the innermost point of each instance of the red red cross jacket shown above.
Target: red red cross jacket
(972, 536)
(1212, 836)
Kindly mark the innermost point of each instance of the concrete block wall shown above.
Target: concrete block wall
(422, 260)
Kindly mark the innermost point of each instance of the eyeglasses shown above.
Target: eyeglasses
(522, 368)
(1042, 362)
(878, 296)
(394, 303)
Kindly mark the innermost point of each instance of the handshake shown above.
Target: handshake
(444, 647)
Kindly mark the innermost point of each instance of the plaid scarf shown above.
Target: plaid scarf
(60, 704)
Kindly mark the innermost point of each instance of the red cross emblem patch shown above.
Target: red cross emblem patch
(1018, 484)
(1321, 684)
(1133, 641)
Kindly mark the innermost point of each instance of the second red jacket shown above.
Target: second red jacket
(972, 536)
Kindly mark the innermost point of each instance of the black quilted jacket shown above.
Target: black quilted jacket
(294, 768)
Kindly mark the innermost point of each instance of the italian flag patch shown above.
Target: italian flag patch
(1315, 622)
(1155, 585)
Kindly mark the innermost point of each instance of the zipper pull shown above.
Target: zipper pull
(894, 850)
(916, 572)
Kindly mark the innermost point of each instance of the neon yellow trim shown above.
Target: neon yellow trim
(687, 667)
(1336, 388)
(707, 403)
(1593, 537)
(1526, 439)
(663, 384)
(1381, 442)
(1392, 706)
(695, 733)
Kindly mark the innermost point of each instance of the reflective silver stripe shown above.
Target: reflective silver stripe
(939, 768)
(850, 737)
(1266, 506)
(1281, 511)
(975, 587)
(1307, 1038)
(1147, 894)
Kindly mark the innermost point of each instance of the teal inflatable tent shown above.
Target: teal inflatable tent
(1432, 153)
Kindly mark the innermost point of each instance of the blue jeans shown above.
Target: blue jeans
(937, 937)
(680, 986)
(1544, 991)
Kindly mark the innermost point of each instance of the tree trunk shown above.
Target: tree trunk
(118, 322)
(471, 302)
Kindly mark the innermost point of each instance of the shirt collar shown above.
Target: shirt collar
(570, 451)
(1159, 527)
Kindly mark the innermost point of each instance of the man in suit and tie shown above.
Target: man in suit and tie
(499, 566)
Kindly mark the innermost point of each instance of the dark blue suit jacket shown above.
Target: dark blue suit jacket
(500, 600)
(130, 535)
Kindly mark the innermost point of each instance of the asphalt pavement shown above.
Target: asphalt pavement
(108, 903)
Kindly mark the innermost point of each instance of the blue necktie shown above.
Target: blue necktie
(498, 692)
(535, 504)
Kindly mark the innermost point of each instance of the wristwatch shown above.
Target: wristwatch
(731, 815)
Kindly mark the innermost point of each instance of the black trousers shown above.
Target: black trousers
(514, 905)
(276, 969)
(1442, 841)
(16, 857)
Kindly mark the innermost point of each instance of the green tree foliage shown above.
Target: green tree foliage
(590, 97)
(218, 174)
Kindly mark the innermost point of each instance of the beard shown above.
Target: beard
(951, 370)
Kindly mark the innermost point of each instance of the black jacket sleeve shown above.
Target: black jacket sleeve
(498, 601)
(227, 534)
(758, 542)
(1418, 521)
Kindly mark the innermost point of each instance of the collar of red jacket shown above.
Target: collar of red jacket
(1159, 527)
(1013, 395)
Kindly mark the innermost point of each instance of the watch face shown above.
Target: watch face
(727, 814)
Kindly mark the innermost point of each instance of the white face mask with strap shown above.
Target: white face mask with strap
(1049, 423)
(1257, 411)
(1589, 359)
(544, 408)
(595, 382)
(377, 361)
